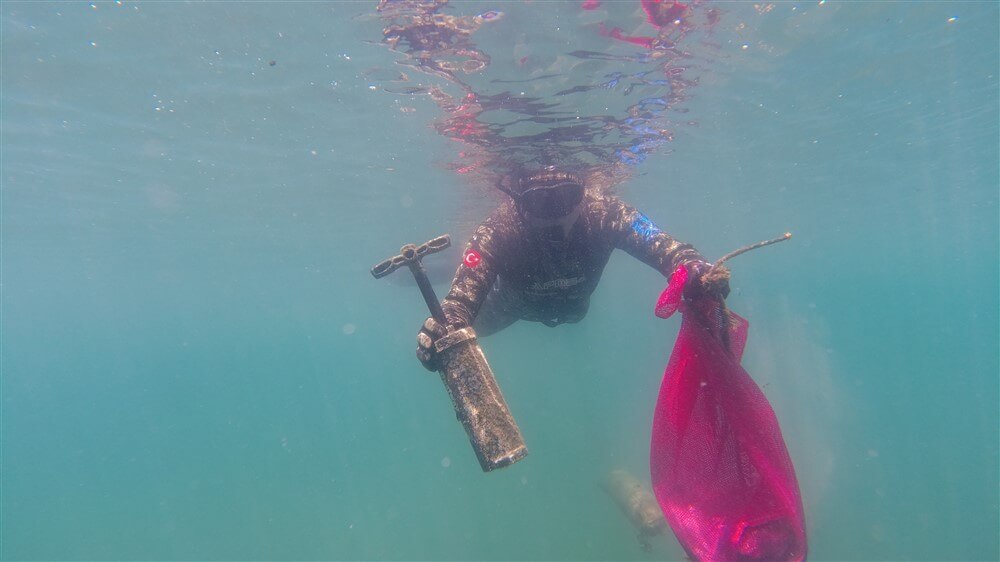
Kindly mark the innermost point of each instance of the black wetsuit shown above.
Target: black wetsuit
(512, 271)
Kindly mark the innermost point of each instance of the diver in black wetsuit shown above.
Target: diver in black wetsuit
(539, 257)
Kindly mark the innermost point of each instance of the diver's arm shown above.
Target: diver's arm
(633, 232)
(475, 276)
(473, 280)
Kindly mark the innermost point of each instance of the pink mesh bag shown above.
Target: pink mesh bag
(719, 466)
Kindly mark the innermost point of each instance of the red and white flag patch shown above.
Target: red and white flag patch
(472, 258)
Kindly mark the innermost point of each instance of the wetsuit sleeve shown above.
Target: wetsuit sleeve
(475, 276)
(633, 232)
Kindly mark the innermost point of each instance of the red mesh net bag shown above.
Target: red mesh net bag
(719, 466)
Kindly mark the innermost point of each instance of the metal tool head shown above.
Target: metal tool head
(410, 253)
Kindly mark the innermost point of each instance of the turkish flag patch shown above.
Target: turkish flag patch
(472, 258)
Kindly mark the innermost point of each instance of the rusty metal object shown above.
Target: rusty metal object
(478, 402)
(473, 389)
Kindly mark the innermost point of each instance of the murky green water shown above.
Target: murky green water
(196, 363)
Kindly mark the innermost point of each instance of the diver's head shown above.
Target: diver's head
(549, 199)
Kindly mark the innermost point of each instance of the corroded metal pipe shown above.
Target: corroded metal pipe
(473, 389)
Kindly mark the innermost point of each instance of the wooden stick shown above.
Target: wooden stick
(723, 308)
(746, 249)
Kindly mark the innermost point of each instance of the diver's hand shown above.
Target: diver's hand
(704, 281)
(428, 334)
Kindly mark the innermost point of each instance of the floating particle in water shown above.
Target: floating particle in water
(446, 462)
(272, 63)
(952, 19)
(524, 480)
(349, 329)
(407, 109)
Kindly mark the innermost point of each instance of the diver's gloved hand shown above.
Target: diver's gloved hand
(429, 333)
(703, 281)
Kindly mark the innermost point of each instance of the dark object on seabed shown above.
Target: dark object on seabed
(474, 392)
(637, 503)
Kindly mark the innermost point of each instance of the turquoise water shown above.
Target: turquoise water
(197, 364)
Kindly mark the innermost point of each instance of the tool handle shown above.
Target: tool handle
(428, 292)
(410, 253)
